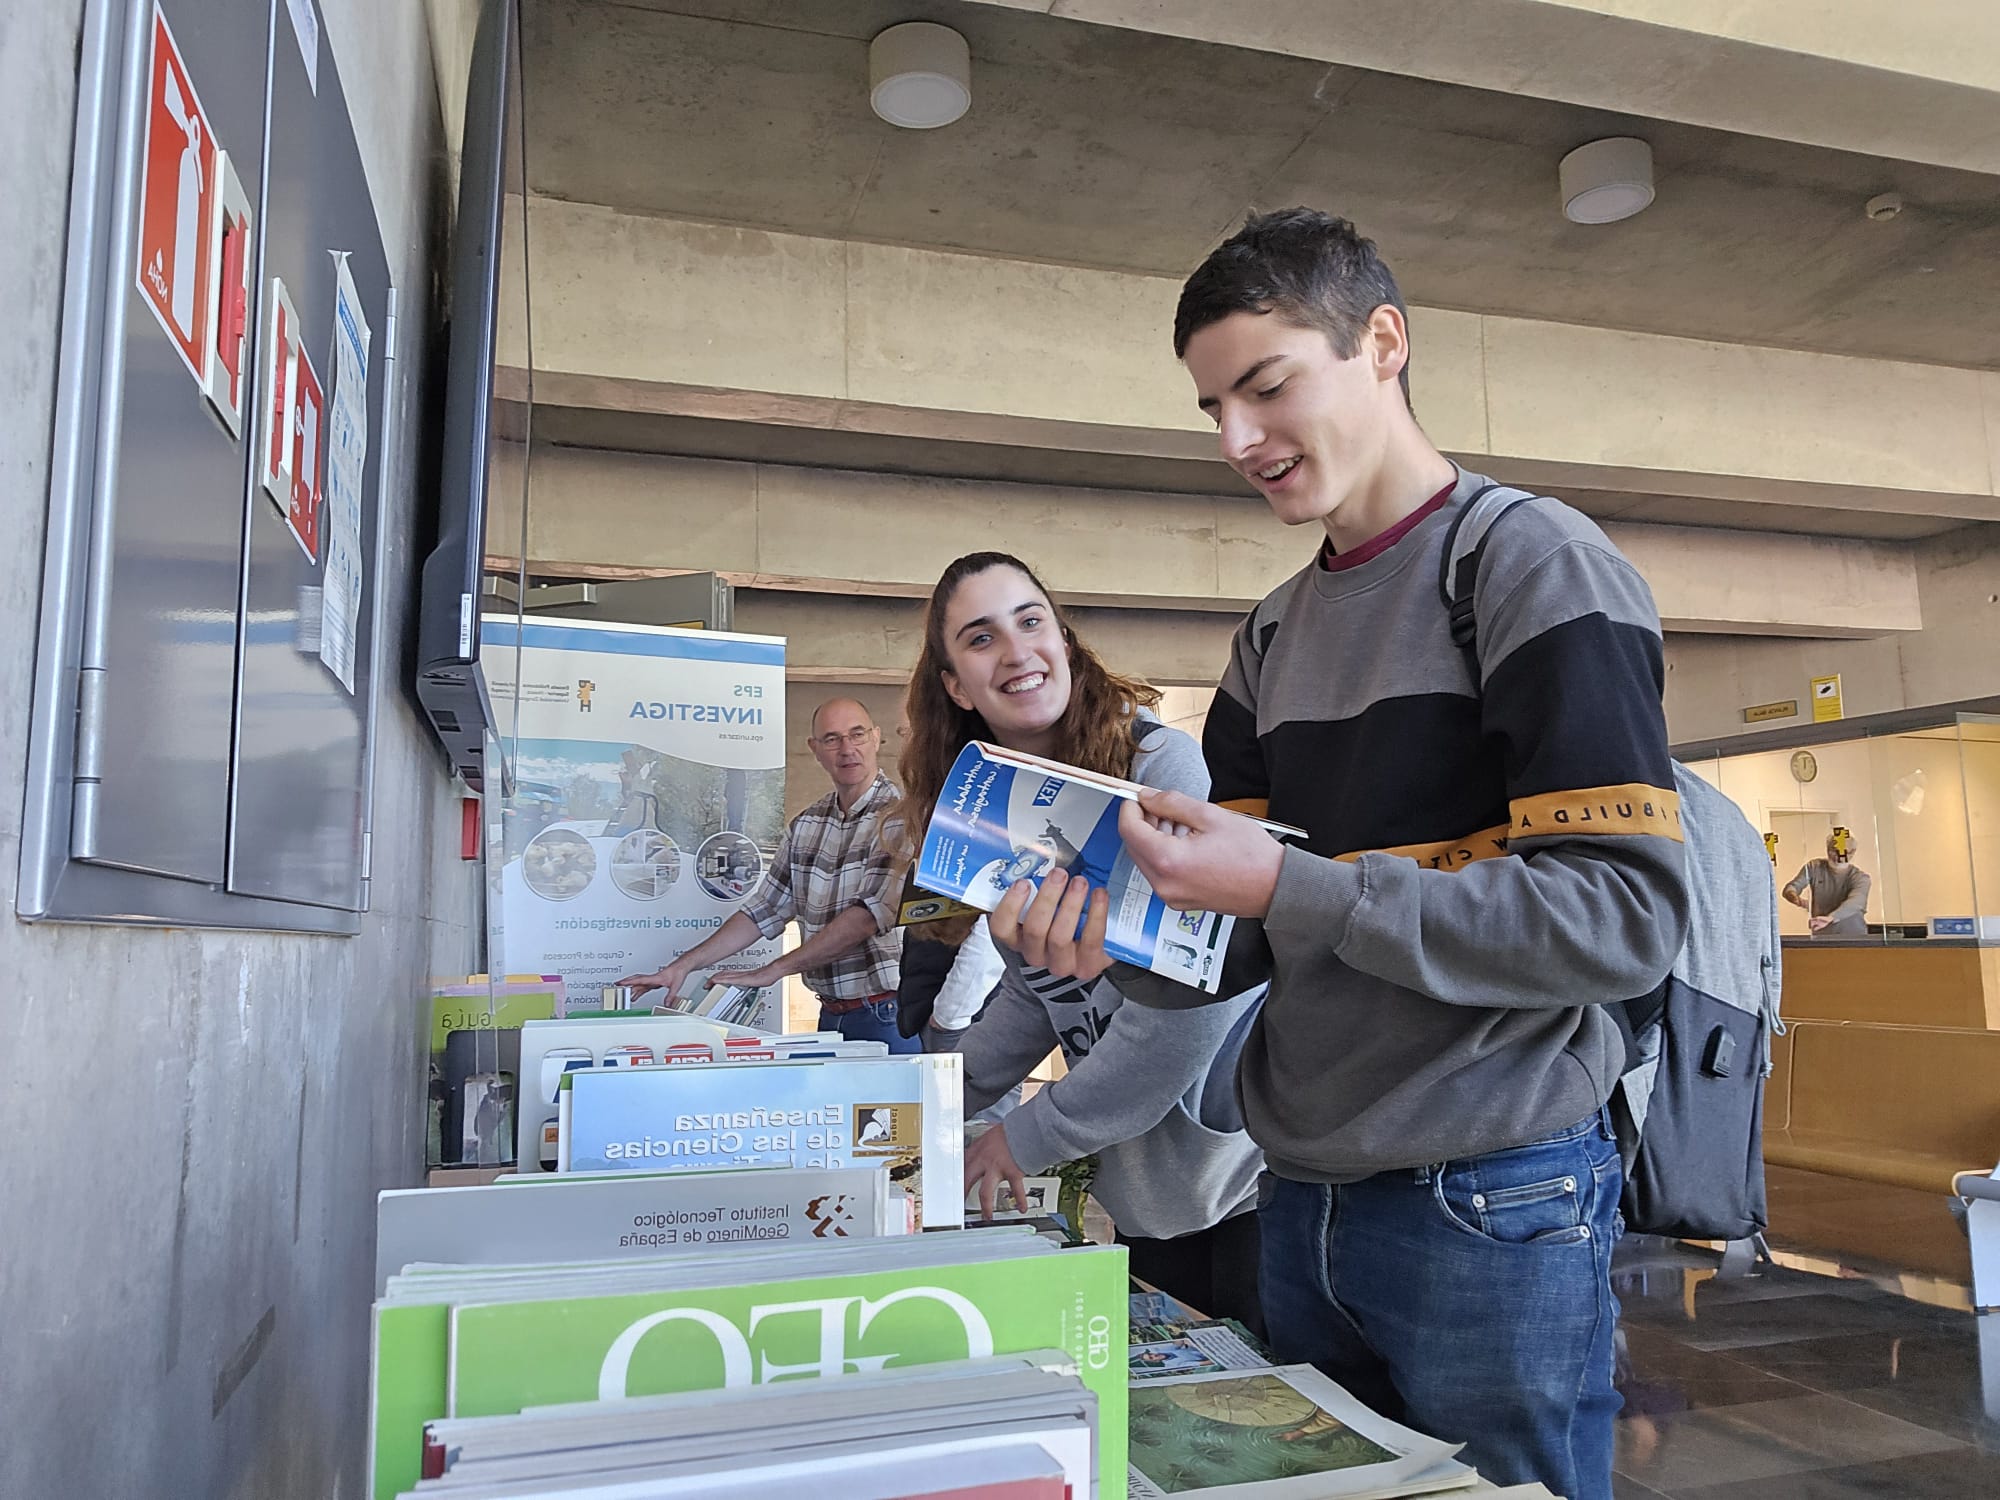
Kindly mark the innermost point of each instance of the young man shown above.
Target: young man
(834, 873)
(1493, 852)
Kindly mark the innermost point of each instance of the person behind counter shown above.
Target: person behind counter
(1834, 891)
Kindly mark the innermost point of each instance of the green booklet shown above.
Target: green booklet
(471, 1357)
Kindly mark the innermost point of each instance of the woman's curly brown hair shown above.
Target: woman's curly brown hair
(1095, 731)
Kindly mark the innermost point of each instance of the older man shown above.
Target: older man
(1834, 890)
(835, 876)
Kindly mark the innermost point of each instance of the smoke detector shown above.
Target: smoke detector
(919, 75)
(1883, 207)
(1607, 180)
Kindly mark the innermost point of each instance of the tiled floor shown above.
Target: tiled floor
(1787, 1384)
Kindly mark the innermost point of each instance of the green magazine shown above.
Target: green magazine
(491, 1358)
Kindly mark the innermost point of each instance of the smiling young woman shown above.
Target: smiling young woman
(1000, 663)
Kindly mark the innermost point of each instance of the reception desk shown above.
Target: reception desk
(1937, 982)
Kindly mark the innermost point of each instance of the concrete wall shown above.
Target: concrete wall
(197, 1124)
(1913, 82)
(653, 314)
(1956, 656)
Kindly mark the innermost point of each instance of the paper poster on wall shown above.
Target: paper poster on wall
(346, 463)
(649, 790)
(176, 198)
(305, 28)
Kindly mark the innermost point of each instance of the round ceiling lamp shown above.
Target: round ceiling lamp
(1607, 180)
(919, 75)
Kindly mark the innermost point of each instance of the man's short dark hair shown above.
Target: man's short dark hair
(1310, 268)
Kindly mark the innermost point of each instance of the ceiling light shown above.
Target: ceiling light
(1607, 180)
(919, 75)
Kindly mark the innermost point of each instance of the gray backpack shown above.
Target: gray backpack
(1689, 1108)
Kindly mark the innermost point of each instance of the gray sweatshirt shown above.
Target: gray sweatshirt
(1493, 850)
(1839, 893)
(1138, 1077)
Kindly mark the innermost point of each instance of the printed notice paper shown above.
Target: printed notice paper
(346, 462)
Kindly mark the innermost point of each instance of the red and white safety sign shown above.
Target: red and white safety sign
(274, 426)
(176, 193)
(308, 426)
(224, 373)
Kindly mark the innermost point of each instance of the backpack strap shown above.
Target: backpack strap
(1458, 572)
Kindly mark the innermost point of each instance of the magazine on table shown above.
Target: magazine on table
(1160, 1350)
(1283, 1433)
(903, 1113)
(456, 1341)
(1005, 817)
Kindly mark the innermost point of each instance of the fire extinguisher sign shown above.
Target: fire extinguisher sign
(175, 199)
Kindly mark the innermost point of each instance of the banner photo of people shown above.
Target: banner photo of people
(647, 796)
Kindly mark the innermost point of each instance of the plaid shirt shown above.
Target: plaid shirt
(831, 860)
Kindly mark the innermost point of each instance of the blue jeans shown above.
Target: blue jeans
(873, 1021)
(1470, 1299)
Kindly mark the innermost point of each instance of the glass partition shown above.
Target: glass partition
(1918, 811)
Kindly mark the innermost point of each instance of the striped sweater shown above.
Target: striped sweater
(1494, 847)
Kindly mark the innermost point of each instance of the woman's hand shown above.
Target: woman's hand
(1042, 925)
(989, 1162)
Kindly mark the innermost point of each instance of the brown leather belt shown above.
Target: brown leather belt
(843, 1007)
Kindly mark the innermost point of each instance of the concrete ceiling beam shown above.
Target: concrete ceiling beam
(1882, 77)
(881, 541)
(646, 314)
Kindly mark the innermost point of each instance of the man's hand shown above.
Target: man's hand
(1200, 857)
(1042, 925)
(1816, 923)
(988, 1163)
(750, 979)
(1797, 898)
(670, 979)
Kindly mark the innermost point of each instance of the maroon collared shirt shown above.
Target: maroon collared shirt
(1375, 546)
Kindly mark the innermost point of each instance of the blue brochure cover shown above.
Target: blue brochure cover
(1004, 817)
(903, 1113)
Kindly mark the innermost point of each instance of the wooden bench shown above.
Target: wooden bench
(1908, 1106)
(1903, 1106)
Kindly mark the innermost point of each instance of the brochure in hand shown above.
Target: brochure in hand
(1004, 817)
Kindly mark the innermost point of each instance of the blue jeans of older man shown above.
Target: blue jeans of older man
(1468, 1299)
(871, 1021)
